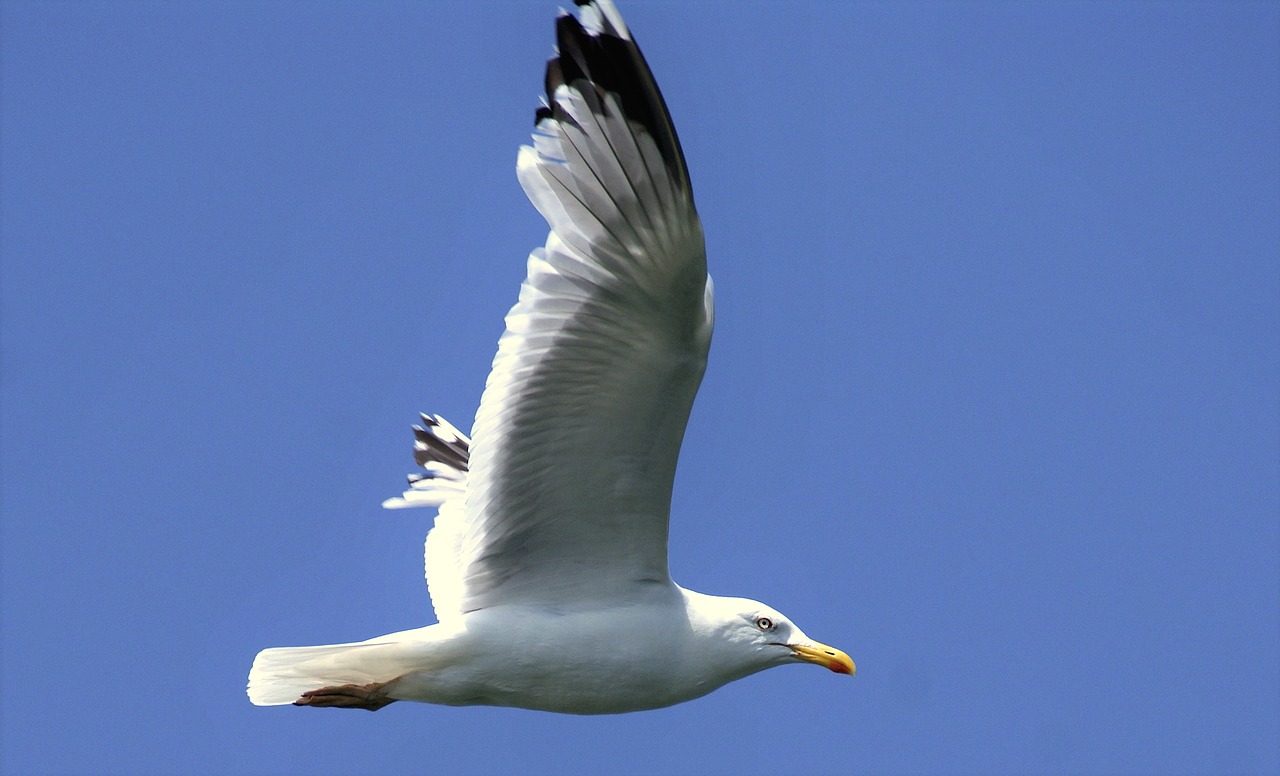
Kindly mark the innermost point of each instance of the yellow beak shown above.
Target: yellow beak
(828, 657)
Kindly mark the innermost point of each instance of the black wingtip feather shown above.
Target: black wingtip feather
(612, 64)
(427, 447)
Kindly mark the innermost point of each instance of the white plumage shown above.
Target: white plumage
(547, 564)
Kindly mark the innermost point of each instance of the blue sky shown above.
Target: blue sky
(993, 402)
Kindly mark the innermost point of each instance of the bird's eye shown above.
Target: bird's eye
(764, 623)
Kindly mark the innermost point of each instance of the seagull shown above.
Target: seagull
(547, 561)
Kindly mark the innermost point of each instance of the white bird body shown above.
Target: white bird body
(583, 661)
(547, 564)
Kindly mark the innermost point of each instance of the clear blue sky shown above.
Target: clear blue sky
(993, 403)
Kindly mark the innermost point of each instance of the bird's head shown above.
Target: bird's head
(759, 636)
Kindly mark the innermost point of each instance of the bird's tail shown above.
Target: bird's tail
(282, 674)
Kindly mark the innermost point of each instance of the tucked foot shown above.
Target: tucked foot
(347, 696)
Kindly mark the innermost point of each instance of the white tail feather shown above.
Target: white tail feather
(282, 674)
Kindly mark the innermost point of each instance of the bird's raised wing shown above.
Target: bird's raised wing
(575, 443)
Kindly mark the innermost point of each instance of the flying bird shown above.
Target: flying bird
(547, 562)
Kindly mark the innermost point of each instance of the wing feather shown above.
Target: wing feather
(563, 495)
(579, 428)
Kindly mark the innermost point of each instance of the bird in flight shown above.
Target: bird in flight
(547, 563)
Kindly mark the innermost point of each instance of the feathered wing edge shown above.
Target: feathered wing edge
(444, 454)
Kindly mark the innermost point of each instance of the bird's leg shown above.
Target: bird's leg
(348, 696)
